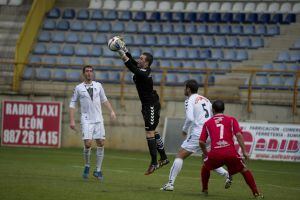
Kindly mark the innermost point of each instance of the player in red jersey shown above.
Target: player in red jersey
(221, 129)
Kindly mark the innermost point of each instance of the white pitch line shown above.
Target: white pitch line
(284, 187)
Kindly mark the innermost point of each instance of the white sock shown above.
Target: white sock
(221, 171)
(175, 169)
(99, 158)
(87, 156)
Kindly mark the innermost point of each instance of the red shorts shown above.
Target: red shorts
(228, 157)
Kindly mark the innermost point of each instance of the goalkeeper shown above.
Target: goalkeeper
(150, 103)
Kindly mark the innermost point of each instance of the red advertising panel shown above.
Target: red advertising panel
(272, 141)
(31, 124)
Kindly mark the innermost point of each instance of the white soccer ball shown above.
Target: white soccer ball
(114, 43)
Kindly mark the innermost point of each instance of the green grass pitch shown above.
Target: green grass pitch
(54, 174)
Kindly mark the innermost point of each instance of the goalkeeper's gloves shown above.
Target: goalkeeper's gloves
(122, 48)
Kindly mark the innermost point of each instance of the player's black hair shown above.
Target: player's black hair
(87, 66)
(218, 106)
(193, 85)
(149, 57)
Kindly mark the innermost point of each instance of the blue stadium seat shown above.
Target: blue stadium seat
(296, 45)
(54, 13)
(225, 29)
(76, 26)
(225, 66)
(264, 18)
(128, 78)
(260, 82)
(170, 53)
(145, 28)
(118, 27)
(295, 56)
(171, 79)
(249, 30)
(49, 24)
(49, 60)
(114, 76)
(204, 54)
(73, 76)
(166, 17)
(110, 15)
(101, 76)
(118, 62)
(276, 18)
(214, 17)
(59, 75)
(157, 78)
(212, 65)
(97, 15)
(43, 74)
(230, 55)
(44, 36)
(83, 14)
(188, 64)
(53, 49)
(90, 26)
(289, 18)
(68, 14)
(233, 42)
(208, 41)
(177, 64)
(217, 54)
(275, 82)
(177, 16)
(185, 40)
(174, 40)
(200, 65)
(153, 17)
(238, 18)
(136, 52)
(289, 83)
(201, 29)
(125, 15)
(197, 41)
(78, 61)
(242, 55)
(293, 67)
(226, 17)
(178, 28)
(162, 40)
(197, 77)
(167, 28)
(68, 50)
(190, 28)
(220, 42)
(165, 63)
(251, 18)
(237, 30)
(104, 27)
(71, 38)
(159, 53)
(129, 39)
(86, 38)
(131, 27)
(283, 57)
(245, 42)
(257, 42)
(96, 51)
(139, 16)
(29, 73)
(156, 28)
(181, 78)
(107, 62)
(63, 61)
(100, 39)
(35, 59)
(213, 29)
(58, 37)
(62, 25)
(150, 40)
(273, 30)
(181, 53)
(202, 17)
(189, 17)
(139, 40)
(106, 53)
(82, 51)
(261, 30)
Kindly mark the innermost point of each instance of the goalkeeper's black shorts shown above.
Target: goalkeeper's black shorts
(151, 114)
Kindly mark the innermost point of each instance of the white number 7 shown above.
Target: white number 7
(221, 126)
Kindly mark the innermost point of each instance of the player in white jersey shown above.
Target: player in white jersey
(91, 95)
(198, 110)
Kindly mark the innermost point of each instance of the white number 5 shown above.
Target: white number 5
(221, 126)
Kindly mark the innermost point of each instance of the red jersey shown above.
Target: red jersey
(221, 129)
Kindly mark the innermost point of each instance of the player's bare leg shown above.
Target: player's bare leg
(150, 135)
(87, 158)
(175, 169)
(99, 159)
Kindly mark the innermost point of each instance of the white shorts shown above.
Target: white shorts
(93, 131)
(191, 144)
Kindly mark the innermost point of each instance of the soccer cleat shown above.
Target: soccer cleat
(151, 169)
(86, 171)
(161, 163)
(167, 187)
(228, 182)
(258, 196)
(98, 175)
(205, 192)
